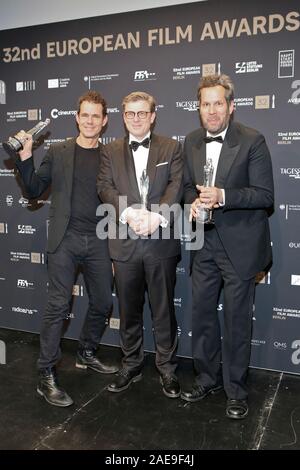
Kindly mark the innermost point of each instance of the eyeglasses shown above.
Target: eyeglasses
(140, 114)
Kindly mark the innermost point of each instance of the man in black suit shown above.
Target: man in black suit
(144, 252)
(236, 246)
(71, 168)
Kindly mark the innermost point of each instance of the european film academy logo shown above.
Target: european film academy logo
(2, 92)
(264, 102)
(286, 62)
(211, 69)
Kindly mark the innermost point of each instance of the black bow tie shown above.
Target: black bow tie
(135, 145)
(219, 139)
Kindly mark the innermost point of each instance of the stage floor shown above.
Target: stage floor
(141, 418)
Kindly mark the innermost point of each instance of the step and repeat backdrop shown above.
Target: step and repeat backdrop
(165, 51)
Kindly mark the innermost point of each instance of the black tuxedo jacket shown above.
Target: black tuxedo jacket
(245, 172)
(117, 178)
(56, 170)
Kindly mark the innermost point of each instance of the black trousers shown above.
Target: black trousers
(210, 270)
(74, 250)
(145, 271)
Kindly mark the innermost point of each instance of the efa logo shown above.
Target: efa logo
(296, 354)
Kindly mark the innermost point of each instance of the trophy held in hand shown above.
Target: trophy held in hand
(205, 216)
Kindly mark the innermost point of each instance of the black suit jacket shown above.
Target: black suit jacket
(117, 178)
(56, 170)
(245, 172)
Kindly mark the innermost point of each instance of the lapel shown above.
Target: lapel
(228, 154)
(152, 159)
(68, 155)
(130, 170)
(199, 157)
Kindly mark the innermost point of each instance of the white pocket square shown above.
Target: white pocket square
(161, 164)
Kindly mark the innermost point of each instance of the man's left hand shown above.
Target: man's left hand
(210, 196)
(148, 223)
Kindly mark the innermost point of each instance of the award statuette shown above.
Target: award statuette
(14, 145)
(144, 188)
(204, 216)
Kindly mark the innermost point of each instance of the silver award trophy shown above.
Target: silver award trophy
(144, 188)
(14, 145)
(204, 216)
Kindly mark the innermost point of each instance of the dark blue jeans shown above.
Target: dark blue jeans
(92, 254)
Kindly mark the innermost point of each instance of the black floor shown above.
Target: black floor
(141, 418)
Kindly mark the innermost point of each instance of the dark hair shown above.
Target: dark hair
(215, 80)
(93, 97)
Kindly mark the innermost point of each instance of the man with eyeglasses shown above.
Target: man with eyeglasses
(145, 252)
(71, 168)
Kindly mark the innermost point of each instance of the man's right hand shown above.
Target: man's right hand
(27, 141)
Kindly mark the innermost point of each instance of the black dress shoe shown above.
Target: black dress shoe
(86, 358)
(199, 392)
(170, 384)
(49, 388)
(123, 380)
(236, 409)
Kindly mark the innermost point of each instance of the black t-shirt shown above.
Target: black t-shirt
(85, 199)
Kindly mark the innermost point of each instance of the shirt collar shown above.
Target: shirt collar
(222, 134)
(131, 137)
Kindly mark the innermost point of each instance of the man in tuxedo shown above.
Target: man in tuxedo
(144, 252)
(236, 246)
(71, 168)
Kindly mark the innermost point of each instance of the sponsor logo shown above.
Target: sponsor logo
(243, 101)
(24, 284)
(178, 302)
(188, 105)
(30, 115)
(28, 85)
(9, 200)
(258, 342)
(98, 78)
(27, 311)
(286, 62)
(56, 113)
(295, 358)
(26, 229)
(114, 323)
(288, 137)
(180, 270)
(58, 82)
(282, 313)
(2, 92)
(6, 172)
(24, 202)
(179, 138)
(295, 97)
(48, 142)
(287, 208)
(291, 172)
(180, 73)
(295, 280)
(144, 75)
(112, 110)
(248, 67)
(279, 345)
(107, 140)
(294, 245)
